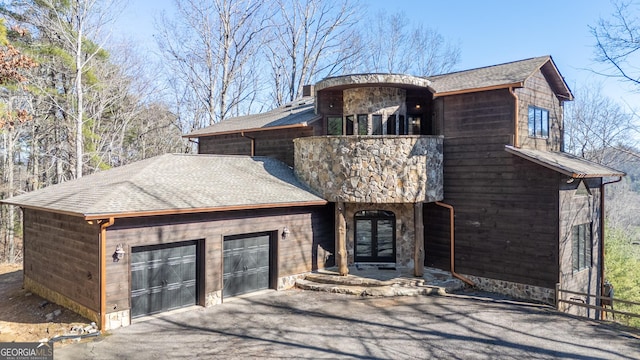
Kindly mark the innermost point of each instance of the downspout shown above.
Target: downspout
(512, 91)
(452, 242)
(602, 313)
(253, 143)
(103, 271)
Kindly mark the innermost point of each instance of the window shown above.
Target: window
(538, 122)
(375, 236)
(334, 125)
(349, 119)
(403, 126)
(391, 125)
(581, 246)
(376, 124)
(362, 124)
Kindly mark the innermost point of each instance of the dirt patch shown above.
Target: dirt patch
(23, 316)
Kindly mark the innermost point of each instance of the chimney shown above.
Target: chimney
(307, 90)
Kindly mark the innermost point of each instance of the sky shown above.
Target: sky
(489, 32)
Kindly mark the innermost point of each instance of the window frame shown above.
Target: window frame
(363, 124)
(377, 124)
(538, 122)
(581, 247)
(329, 127)
(374, 218)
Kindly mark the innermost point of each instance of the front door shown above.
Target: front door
(375, 234)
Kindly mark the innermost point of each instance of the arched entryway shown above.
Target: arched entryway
(375, 236)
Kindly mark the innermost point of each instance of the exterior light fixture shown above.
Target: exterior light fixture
(119, 253)
(285, 232)
(417, 106)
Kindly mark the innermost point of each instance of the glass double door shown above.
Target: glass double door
(375, 239)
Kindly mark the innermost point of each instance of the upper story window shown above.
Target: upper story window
(363, 124)
(538, 122)
(334, 125)
(376, 124)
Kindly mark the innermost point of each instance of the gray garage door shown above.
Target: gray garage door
(246, 264)
(163, 278)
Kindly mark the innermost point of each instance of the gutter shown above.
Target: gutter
(103, 270)
(602, 313)
(453, 246)
(485, 88)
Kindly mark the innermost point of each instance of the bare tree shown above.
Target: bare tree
(77, 25)
(307, 41)
(395, 46)
(617, 42)
(208, 47)
(13, 114)
(595, 125)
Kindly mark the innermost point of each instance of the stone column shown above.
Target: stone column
(418, 255)
(341, 240)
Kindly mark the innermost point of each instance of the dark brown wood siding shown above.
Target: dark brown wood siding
(506, 223)
(61, 253)
(537, 92)
(309, 245)
(479, 114)
(273, 143)
(577, 208)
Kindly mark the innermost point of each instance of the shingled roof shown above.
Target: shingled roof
(564, 163)
(295, 114)
(512, 74)
(175, 183)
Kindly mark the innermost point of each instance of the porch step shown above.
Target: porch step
(394, 289)
(373, 281)
(351, 280)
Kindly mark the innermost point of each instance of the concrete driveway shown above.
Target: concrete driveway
(314, 325)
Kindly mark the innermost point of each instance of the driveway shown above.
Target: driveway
(315, 325)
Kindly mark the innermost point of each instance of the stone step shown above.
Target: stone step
(395, 289)
(351, 280)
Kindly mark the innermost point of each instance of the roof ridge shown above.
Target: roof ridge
(491, 66)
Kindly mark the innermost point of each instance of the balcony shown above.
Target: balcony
(371, 169)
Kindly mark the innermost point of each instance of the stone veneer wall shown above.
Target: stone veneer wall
(515, 290)
(405, 230)
(371, 169)
(384, 101)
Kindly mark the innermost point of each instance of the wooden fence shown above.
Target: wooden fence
(608, 303)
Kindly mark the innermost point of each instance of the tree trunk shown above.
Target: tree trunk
(79, 94)
(11, 255)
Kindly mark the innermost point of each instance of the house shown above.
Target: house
(463, 171)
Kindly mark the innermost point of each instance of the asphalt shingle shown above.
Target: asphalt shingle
(299, 112)
(175, 182)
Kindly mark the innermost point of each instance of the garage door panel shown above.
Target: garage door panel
(163, 278)
(246, 264)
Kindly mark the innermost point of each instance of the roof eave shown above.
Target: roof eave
(559, 168)
(132, 214)
(518, 84)
(283, 127)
